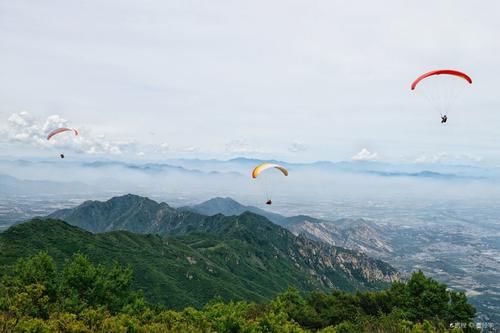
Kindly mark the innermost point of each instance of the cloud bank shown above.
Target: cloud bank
(22, 128)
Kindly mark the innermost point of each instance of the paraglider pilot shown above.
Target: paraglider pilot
(62, 155)
(444, 119)
(264, 166)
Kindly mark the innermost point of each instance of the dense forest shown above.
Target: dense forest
(37, 295)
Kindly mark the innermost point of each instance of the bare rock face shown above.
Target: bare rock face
(356, 234)
(324, 259)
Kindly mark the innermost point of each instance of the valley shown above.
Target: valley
(442, 239)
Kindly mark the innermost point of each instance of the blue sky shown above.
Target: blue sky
(294, 80)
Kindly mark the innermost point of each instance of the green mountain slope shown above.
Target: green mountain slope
(128, 212)
(356, 234)
(142, 215)
(237, 257)
(167, 270)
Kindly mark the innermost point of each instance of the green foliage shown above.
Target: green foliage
(84, 284)
(36, 297)
(31, 287)
(81, 297)
(423, 298)
(420, 305)
(237, 258)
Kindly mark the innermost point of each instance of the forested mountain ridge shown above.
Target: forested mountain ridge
(244, 257)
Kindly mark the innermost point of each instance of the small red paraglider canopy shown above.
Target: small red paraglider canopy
(61, 130)
(440, 72)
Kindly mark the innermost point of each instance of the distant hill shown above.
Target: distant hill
(356, 234)
(142, 215)
(424, 174)
(155, 168)
(129, 212)
(228, 207)
(236, 257)
(413, 170)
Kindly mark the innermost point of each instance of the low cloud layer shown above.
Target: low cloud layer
(444, 157)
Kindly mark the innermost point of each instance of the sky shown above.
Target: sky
(293, 80)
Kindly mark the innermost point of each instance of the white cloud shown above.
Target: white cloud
(435, 158)
(188, 149)
(297, 147)
(239, 147)
(444, 157)
(365, 155)
(24, 129)
(19, 119)
(54, 121)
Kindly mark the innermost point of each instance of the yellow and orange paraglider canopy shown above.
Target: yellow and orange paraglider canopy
(264, 166)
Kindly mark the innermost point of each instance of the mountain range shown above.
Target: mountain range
(228, 206)
(243, 166)
(182, 257)
(358, 234)
(143, 215)
(414, 170)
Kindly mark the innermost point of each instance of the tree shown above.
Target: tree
(85, 285)
(82, 297)
(31, 287)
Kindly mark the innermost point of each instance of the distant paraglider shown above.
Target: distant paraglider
(59, 131)
(441, 87)
(266, 166)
